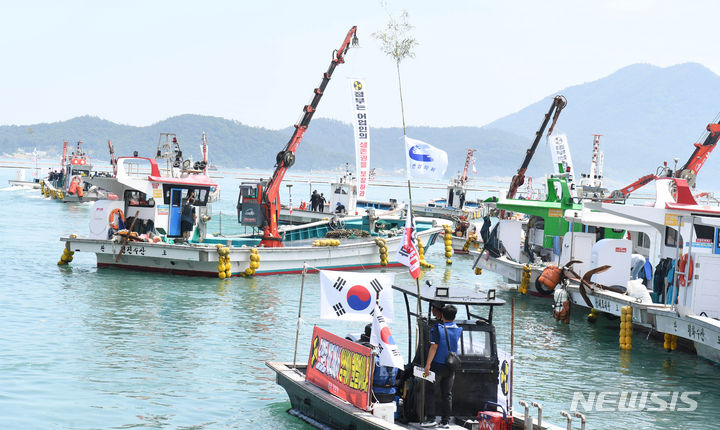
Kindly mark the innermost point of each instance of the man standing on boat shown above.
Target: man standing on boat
(444, 338)
(188, 217)
(314, 201)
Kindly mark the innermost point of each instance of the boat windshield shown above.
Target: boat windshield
(476, 343)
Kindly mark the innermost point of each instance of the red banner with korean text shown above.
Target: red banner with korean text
(340, 367)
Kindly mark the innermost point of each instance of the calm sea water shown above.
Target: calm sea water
(82, 348)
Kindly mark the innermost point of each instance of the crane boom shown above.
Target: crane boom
(558, 104)
(702, 150)
(259, 203)
(688, 171)
(113, 158)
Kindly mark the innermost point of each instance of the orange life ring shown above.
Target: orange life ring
(685, 260)
(121, 216)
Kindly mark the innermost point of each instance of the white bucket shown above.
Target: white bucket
(385, 411)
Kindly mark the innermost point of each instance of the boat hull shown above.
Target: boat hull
(511, 271)
(703, 331)
(308, 400)
(24, 184)
(313, 402)
(202, 260)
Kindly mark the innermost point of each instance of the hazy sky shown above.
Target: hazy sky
(139, 62)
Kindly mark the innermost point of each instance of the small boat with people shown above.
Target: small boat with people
(362, 381)
(70, 184)
(342, 202)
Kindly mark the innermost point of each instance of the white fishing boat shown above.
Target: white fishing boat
(150, 200)
(22, 182)
(690, 306)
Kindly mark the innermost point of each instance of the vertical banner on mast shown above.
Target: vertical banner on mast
(361, 131)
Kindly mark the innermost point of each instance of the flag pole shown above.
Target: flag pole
(512, 353)
(421, 341)
(297, 330)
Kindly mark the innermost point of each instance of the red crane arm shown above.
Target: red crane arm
(625, 191)
(286, 158)
(702, 151)
(558, 104)
(113, 159)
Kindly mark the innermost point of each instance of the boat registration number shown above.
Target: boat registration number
(605, 305)
(129, 249)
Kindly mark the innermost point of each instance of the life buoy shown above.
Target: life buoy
(685, 261)
(121, 216)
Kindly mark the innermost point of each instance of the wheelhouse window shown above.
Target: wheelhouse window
(704, 233)
(476, 343)
(200, 194)
(671, 237)
(642, 240)
(138, 199)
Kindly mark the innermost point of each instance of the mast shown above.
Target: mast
(468, 159)
(205, 153)
(62, 162)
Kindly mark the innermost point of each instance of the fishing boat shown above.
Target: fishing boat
(520, 247)
(21, 181)
(150, 200)
(70, 184)
(455, 204)
(343, 204)
(480, 391)
(686, 243)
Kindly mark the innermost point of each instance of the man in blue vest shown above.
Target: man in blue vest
(444, 337)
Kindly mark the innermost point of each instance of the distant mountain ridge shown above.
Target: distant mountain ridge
(646, 114)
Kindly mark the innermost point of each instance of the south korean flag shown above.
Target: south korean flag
(351, 296)
(381, 338)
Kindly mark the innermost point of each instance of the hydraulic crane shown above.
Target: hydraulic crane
(691, 168)
(113, 158)
(558, 104)
(259, 202)
(688, 171)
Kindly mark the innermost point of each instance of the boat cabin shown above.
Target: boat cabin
(689, 240)
(153, 200)
(477, 382)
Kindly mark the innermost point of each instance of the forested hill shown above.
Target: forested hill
(327, 144)
(645, 113)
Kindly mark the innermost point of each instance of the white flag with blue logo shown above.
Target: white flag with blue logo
(424, 160)
(351, 296)
(382, 339)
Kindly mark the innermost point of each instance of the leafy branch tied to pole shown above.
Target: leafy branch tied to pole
(398, 44)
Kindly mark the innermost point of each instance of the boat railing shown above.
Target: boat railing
(136, 169)
(529, 423)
